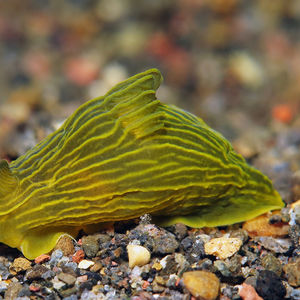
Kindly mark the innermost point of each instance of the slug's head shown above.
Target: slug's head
(259, 189)
(256, 195)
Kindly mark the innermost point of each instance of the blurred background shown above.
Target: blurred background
(236, 64)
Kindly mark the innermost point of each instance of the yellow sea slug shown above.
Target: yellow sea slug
(121, 156)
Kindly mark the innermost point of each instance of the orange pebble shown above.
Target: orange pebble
(42, 258)
(34, 288)
(247, 292)
(78, 256)
(145, 284)
(260, 226)
(282, 113)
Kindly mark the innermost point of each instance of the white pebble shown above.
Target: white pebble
(222, 247)
(85, 264)
(137, 255)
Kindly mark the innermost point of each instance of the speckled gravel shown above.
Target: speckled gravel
(98, 268)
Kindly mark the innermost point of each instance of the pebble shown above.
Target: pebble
(202, 284)
(36, 272)
(260, 226)
(222, 267)
(3, 286)
(295, 294)
(19, 264)
(96, 267)
(65, 244)
(42, 258)
(69, 293)
(12, 291)
(271, 263)
(48, 275)
(182, 263)
(56, 256)
(81, 70)
(57, 284)
(90, 245)
(4, 268)
(180, 230)
(158, 240)
(276, 245)
(269, 286)
(137, 255)
(157, 266)
(247, 292)
(34, 287)
(67, 278)
(222, 247)
(292, 272)
(85, 264)
(78, 256)
(193, 247)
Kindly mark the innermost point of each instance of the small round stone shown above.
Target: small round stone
(202, 284)
(137, 255)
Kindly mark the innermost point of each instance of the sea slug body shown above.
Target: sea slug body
(120, 156)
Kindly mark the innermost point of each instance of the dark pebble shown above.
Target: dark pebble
(95, 277)
(235, 265)
(68, 292)
(180, 230)
(48, 275)
(86, 285)
(222, 267)
(4, 269)
(103, 240)
(157, 240)
(171, 265)
(294, 233)
(24, 292)
(271, 263)
(193, 248)
(90, 245)
(240, 234)
(269, 286)
(205, 264)
(36, 272)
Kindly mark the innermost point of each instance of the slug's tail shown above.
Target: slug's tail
(8, 187)
(41, 241)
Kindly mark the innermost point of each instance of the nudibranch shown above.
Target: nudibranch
(123, 155)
